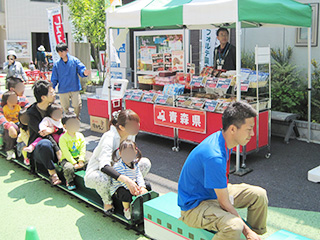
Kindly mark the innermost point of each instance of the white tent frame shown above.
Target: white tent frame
(238, 72)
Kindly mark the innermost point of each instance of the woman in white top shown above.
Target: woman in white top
(124, 125)
(12, 67)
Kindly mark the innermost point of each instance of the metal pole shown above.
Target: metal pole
(238, 70)
(258, 102)
(61, 8)
(309, 84)
(269, 107)
(109, 74)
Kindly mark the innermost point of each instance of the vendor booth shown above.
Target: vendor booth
(170, 100)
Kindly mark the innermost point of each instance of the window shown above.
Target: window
(191, 236)
(169, 226)
(302, 33)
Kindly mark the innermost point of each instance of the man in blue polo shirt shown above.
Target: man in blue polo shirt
(206, 198)
(65, 74)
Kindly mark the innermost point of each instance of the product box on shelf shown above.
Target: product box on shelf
(149, 97)
(165, 80)
(173, 89)
(198, 81)
(197, 103)
(146, 79)
(164, 99)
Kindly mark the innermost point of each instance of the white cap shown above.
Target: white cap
(41, 48)
(12, 52)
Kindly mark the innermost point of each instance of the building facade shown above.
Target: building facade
(27, 20)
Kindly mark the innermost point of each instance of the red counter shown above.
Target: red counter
(213, 124)
(145, 112)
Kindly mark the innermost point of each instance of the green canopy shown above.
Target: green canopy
(198, 14)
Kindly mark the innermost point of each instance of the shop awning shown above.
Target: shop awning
(199, 14)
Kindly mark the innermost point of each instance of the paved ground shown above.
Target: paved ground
(284, 176)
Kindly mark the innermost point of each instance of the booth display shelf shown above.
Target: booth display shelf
(213, 124)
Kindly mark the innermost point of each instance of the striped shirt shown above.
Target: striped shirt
(133, 173)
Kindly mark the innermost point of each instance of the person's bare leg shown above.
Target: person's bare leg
(126, 205)
(51, 172)
(107, 206)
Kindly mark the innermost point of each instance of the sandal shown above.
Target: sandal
(109, 212)
(54, 179)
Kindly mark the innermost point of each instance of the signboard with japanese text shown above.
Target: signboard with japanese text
(149, 97)
(197, 81)
(128, 94)
(210, 105)
(56, 32)
(212, 82)
(136, 95)
(177, 60)
(209, 43)
(22, 48)
(223, 83)
(181, 118)
(161, 99)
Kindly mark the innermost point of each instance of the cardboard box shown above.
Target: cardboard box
(98, 124)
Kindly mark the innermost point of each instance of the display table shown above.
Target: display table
(213, 124)
(146, 114)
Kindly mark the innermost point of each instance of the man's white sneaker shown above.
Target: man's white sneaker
(127, 213)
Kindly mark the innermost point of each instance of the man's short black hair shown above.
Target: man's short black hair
(236, 114)
(61, 47)
(41, 88)
(68, 116)
(51, 108)
(222, 30)
(13, 81)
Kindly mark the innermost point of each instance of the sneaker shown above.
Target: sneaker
(71, 186)
(127, 213)
(11, 155)
(26, 161)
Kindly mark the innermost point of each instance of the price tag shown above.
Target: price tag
(210, 105)
(196, 81)
(136, 95)
(224, 83)
(161, 99)
(148, 97)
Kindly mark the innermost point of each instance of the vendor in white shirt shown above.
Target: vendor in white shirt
(124, 125)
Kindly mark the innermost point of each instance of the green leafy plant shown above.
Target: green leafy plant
(248, 60)
(280, 57)
(315, 93)
(88, 18)
(287, 85)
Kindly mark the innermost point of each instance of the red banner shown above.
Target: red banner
(181, 118)
(58, 28)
